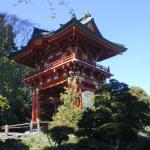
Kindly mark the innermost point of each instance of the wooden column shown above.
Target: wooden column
(37, 104)
(6, 130)
(75, 90)
(81, 79)
(38, 125)
(74, 82)
(33, 107)
(31, 127)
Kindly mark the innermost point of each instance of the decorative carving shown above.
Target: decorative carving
(71, 73)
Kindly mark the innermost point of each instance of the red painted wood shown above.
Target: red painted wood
(53, 83)
(37, 105)
(33, 108)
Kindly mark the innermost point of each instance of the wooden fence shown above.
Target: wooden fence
(30, 125)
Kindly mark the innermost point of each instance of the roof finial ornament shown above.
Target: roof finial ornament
(73, 15)
(87, 14)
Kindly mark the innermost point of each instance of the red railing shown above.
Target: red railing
(65, 60)
(51, 65)
(58, 62)
(98, 66)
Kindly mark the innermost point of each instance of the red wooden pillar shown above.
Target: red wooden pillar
(33, 107)
(75, 88)
(77, 91)
(37, 104)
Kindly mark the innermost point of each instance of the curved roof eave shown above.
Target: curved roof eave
(70, 23)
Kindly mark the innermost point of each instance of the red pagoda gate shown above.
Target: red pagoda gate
(71, 51)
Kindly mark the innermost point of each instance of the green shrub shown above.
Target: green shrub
(59, 134)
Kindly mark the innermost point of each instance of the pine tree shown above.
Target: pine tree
(116, 119)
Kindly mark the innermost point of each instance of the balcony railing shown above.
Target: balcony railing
(98, 66)
(51, 65)
(65, 60)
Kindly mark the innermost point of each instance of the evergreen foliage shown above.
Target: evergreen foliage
(116, 118)
(113, 123)
(59, 134)
(140, 94)
(65, 120)
(11, 75)
(67, 115)
(4, 106)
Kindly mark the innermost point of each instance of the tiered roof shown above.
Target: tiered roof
(85, 27)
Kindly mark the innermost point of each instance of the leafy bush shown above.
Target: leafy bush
(3, 103)
(4, 106)
(36, 141)
(66, 116)
(12, 144)
(59, 134)
(65, 120)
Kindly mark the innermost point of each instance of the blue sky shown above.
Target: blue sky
(121, 21)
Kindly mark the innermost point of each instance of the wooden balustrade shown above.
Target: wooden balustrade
(65, 60)
(106, 69)
(51, 65)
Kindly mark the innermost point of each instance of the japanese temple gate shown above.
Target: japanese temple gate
(74, 50)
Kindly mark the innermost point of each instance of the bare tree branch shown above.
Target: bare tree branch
(52, 5)
(22, 29)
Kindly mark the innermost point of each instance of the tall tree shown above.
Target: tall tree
(11, 75)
